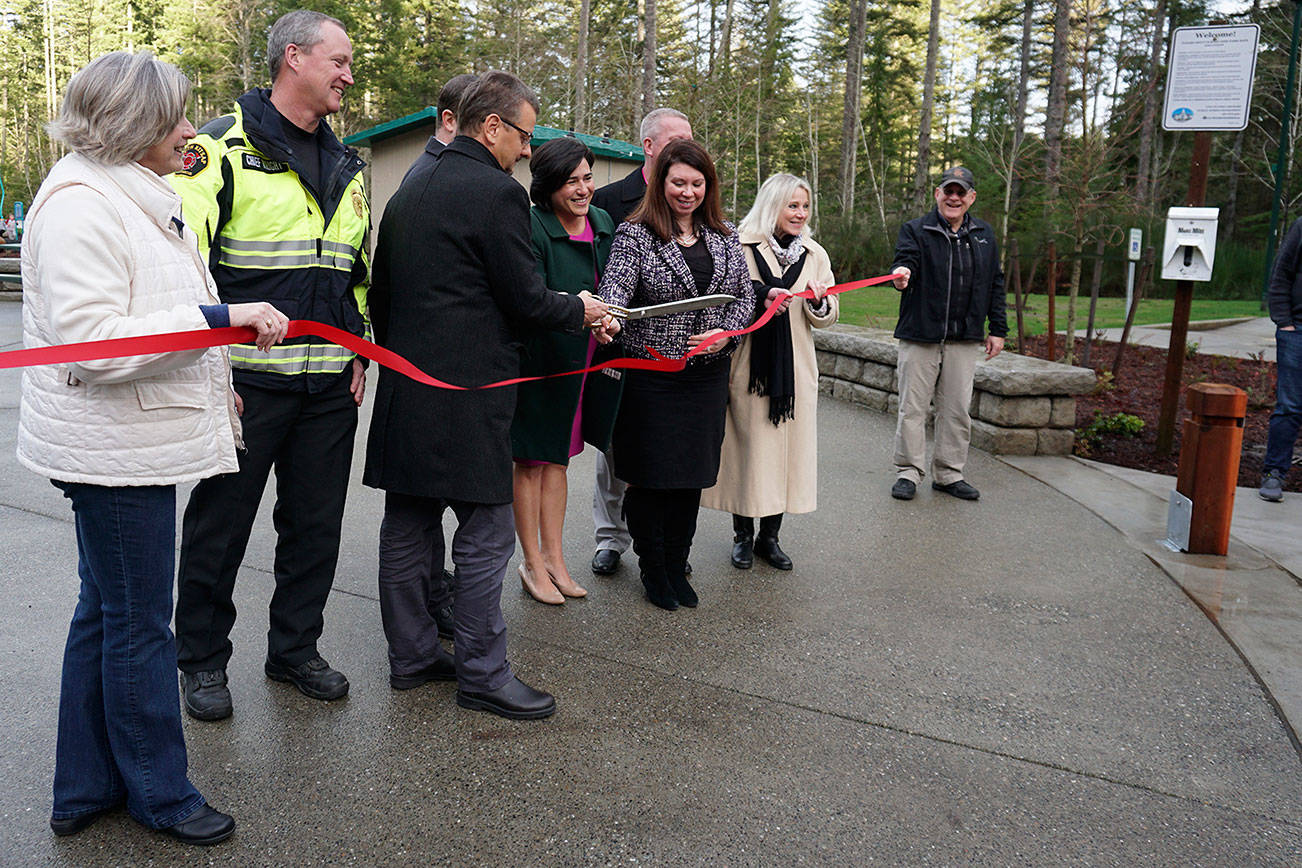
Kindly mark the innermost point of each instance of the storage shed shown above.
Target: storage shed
(395, 146)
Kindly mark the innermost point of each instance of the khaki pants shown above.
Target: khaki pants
(939, 373)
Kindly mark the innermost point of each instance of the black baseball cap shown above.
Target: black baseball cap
(960, 175)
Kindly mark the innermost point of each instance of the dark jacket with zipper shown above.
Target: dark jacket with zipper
(269, 235)
(1285, 295)
(956, 284)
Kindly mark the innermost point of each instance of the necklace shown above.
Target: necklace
(688, 238)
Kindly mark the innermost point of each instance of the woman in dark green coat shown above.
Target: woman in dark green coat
(571, 240)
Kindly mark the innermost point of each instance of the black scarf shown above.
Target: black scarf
(772, 362)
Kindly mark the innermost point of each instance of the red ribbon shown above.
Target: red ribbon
(200, 339)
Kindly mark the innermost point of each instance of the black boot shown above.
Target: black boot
(743, 541)
(645, 516)
(680, 528)
(766, 544)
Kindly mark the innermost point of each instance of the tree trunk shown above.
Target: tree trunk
(1149, 120)
(1229, 214)
(581, 68)
(649, 58)
(853, 92)
(1056, 110)
(923, 170)
(1019, 121)
(725, 39)
(1073, 292)
(1095, 282)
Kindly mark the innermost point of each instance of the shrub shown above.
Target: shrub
(1116, 425)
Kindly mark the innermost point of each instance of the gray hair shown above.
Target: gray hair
(302, 27)
(496, 93)
(119, 105)
(654, 118)
(773, 196)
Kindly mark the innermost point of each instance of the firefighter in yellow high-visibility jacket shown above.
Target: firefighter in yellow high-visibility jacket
(281, 214)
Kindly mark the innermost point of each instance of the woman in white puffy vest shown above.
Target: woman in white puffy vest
(106, 255)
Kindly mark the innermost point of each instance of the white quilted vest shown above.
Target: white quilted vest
(144, 420)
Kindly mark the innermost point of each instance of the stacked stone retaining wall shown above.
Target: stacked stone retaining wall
(1020, 405)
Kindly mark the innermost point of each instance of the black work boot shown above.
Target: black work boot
(766, 544)
(743, 541)
(206, 695)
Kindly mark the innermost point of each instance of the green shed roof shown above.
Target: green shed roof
(601, 145)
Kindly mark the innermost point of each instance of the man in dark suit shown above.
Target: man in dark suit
(432, 448)
(398, 565)
(446, 109)
(660, 127)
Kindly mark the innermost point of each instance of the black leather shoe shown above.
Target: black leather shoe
(442, 669)
(314, 678)
(73, 825)
(959, 489)
(206, 694)
(443, 616)
(204, 827)
(514, 699)
(904, 489)
(743, 556)
(446, 622)
(605, 562)
(767, 548)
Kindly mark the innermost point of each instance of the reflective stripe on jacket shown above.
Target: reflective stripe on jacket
(269, 236)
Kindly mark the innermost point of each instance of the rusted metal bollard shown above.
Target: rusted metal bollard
(1209, 462)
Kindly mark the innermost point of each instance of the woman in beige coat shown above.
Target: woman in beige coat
(769, 464)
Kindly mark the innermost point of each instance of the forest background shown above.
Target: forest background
(1054, 104)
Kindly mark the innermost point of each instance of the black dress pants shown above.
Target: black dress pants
(308, 439)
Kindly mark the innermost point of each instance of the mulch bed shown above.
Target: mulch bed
(1137, 390)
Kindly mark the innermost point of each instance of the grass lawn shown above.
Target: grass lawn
(877, 306)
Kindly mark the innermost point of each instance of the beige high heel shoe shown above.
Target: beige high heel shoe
(547, 594)
(568, 587)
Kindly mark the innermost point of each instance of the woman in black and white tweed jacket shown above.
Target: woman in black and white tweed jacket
(670, 427)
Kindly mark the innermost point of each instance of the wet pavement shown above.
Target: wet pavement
(1012, 681)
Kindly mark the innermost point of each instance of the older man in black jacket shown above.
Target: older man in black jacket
(1285, 299)
(947, 266)
(453, 279)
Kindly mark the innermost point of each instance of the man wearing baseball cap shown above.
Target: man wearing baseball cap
(947, 269)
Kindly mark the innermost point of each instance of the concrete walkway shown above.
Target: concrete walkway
(1013, 681)
(1245, 338)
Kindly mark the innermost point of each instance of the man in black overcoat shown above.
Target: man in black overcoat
(452, 280)
(660, 127)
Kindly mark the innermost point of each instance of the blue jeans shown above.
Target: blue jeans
(119, 717)
(1287, 418)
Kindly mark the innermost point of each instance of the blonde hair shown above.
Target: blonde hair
(119, 105)
(773, 196)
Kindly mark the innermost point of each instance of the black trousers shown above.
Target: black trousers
(308, 439)
(411, 550)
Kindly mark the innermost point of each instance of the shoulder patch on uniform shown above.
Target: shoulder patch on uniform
(217, 127)
(359, 203)
(194, 159)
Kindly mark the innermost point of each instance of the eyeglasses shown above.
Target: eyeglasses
(526, 136)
